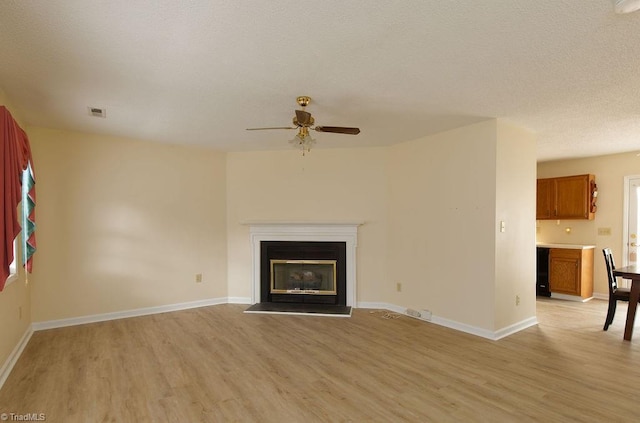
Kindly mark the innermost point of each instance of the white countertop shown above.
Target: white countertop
(569, 246)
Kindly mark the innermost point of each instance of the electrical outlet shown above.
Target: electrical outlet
(425, 314)
(517, 300)
(198, 277)
(399, 287)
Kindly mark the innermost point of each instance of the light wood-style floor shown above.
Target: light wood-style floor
(216, 364)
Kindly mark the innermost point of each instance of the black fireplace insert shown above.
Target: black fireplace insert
(309, 272)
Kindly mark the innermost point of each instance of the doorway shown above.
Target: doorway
(631, 217)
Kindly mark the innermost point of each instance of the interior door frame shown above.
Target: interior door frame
(625, 219)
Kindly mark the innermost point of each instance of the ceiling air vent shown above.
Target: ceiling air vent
(97, 112)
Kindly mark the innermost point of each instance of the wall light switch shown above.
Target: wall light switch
(503, 226)
(604, 231)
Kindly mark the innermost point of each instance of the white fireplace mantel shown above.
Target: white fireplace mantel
(329, 231)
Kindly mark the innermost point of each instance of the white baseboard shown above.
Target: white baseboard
(52, 324)
(570, 297)
(239, 300)
(14, 356)
(516, 327)
(599, 296)
(462, 327)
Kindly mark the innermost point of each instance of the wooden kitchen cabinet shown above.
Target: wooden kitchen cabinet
(543, 199)
(571, 271)
(568, 197)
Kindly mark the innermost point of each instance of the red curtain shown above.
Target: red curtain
(15, 154)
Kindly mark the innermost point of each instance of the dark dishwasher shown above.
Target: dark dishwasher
(542, 272)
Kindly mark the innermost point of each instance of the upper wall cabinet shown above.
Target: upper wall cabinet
(568, 197)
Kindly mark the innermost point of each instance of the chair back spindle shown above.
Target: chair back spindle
(611, 266)
(615, 292)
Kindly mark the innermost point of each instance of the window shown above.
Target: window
(13, 267)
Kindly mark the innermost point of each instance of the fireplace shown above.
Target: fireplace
(345, 232)
(303, 272)
(317, 277)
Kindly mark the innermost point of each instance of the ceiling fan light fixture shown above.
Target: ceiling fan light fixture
(626, 6)
(304, 141)
(304, 122)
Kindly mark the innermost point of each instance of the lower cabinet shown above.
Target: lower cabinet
(571, 271)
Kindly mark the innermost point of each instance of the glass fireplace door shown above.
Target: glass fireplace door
(310, 277)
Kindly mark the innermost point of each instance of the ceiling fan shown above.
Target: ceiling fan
(303, 122)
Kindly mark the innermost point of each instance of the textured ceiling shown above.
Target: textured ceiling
(201, 71)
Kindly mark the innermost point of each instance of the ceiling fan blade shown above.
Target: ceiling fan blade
(275, 127)
(303, 118)
(338, 130)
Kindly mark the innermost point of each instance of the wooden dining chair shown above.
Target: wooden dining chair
(615, 293)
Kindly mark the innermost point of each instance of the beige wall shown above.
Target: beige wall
(325, 185)
(610, 171)
(15, 299)
(515, 205)
(441, 231)
(125, 224)
(448, 192)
